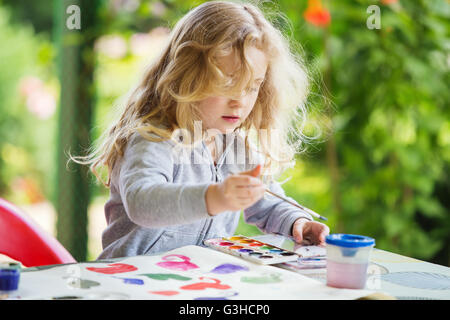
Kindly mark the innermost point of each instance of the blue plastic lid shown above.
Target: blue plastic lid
(349, 240)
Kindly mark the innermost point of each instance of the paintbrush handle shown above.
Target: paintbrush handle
(314, 214)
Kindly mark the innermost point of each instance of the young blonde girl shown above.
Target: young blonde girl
(210, 126)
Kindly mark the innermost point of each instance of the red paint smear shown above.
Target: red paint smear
(165, 293)
(114, 268)
(205, 285)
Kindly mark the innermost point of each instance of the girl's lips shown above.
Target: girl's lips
(230, 119)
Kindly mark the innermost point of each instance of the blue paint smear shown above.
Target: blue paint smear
(228, 268)
(211, 298)
(217, 298)
(132, 281)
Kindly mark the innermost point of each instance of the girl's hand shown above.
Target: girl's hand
(310, 231)
(236, 192)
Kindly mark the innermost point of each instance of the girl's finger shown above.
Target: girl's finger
(255, 191)
(320, 233)
(245, 181)
(250, 193)
(245, 204)
(298, 234)
(323, 234)
(250, 198)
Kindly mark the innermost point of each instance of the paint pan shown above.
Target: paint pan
(251, 249)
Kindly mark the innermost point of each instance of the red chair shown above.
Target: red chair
(23, 240)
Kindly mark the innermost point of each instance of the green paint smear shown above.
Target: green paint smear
(165, 276)
(82, 283)
(272, 278)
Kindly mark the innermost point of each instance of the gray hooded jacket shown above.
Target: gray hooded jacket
(157, 198)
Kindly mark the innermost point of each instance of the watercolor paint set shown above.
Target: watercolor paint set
(251, 249)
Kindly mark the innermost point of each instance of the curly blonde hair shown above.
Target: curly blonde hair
(187, 71)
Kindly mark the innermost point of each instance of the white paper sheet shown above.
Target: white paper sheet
(189, 272)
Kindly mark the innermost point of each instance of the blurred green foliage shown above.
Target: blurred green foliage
(390, 115)
(381, 167)
(27, 131)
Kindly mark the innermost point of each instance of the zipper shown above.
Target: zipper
(216, 173)
(209, 221)
(216, 179)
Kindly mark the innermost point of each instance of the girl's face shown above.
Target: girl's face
(226, 113)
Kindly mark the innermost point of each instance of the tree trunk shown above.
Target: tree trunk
(76, 62)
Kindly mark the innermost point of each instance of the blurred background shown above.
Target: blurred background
(380, 92)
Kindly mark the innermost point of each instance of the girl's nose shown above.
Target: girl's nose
(237, 101)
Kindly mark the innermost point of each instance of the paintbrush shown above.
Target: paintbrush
(314, 214)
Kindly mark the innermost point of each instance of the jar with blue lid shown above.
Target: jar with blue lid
(348, 257)
(9, 277)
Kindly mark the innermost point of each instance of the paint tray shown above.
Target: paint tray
(251, 249)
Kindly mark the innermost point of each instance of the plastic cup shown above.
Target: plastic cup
(347, 260)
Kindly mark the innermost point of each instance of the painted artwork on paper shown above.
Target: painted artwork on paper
(187, 273)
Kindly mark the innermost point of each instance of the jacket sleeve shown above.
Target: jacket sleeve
(149, 196)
